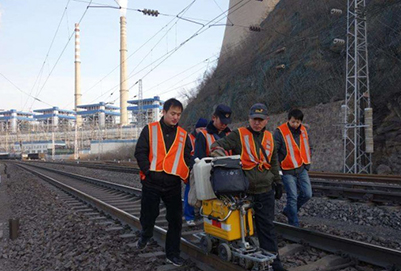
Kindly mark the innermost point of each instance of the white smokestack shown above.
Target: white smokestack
(78, 94)
(123, 72)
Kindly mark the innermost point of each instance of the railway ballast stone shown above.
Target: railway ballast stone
(360, 221)
(53, 237)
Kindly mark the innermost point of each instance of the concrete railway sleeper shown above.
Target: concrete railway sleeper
(190, 243)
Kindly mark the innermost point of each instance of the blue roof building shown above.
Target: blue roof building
(152, 108)
(55, 117)
(12, 119)
(102, 114)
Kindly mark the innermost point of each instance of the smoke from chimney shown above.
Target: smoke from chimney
(123, 4)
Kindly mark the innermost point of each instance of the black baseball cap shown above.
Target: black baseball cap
(224, 113)
(258, 111)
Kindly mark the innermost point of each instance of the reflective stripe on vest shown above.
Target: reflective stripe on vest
(192, 138)
(173, 162)
(209, 141)
(296, 155)
(249, 157)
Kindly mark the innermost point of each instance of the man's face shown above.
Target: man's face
(257, 124)
(218, 124)
(172, 116)
(294, 123)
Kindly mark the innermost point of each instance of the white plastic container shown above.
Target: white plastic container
(202, 168)
(204, 190)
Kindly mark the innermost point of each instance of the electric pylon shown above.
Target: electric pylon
(358, 136)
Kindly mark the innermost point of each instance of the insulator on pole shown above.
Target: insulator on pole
(336, 12)
(254, 28)
(339, 42)
(280, 67)
(150, 12)
(369, 130)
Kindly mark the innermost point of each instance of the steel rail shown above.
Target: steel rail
(359, 184)
(159, 233)
(119, 187)
(356, 177)
(373, 254)
(372, 195)
(312, 174)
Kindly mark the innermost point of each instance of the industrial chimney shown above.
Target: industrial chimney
(78, 94)
(123, 72)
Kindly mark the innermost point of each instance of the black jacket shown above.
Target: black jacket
(201, 143)
(282, 149)
(159, 180)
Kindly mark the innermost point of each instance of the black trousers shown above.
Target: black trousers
(150, 211)
(264, 216)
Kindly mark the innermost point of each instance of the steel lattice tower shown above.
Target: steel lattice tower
(357, 96)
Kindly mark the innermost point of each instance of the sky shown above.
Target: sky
(169, 54)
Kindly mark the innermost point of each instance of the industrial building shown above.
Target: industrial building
(151, 110)
(100, 115)
(12, 121)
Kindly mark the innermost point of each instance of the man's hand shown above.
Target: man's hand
(278, 190)
(217, 152)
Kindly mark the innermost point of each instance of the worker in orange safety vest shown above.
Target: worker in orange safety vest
(163, 153)
(294, 154)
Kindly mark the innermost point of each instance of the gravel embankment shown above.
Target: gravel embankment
(53, 237)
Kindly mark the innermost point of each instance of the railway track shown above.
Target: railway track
(123, 203)
(357, 187)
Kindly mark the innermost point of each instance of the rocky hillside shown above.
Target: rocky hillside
(310, 70)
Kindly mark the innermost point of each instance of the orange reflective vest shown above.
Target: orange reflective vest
(249, 157)
(209, 141)
(192, 138)
(296, 155)
(171, 162)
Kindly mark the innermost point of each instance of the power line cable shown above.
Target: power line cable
(203, 61)
(197, 33)
(171, 52)
(48, 52)
(28, 94)
(181, 12)
(62, 52)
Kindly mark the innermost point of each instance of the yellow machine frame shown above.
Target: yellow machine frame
(226, 223)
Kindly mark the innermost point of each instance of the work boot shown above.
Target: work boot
(141, 244)
(176, 260)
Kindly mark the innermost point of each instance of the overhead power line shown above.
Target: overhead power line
(180, 13)
(28, 94)
(61, 54)
(48, 52)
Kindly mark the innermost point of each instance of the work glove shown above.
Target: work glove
(278, 190)
(218, 151)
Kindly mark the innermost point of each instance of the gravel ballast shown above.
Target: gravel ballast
(379, 225)
(54, 237)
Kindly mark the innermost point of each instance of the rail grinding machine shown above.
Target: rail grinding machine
(227, 213)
